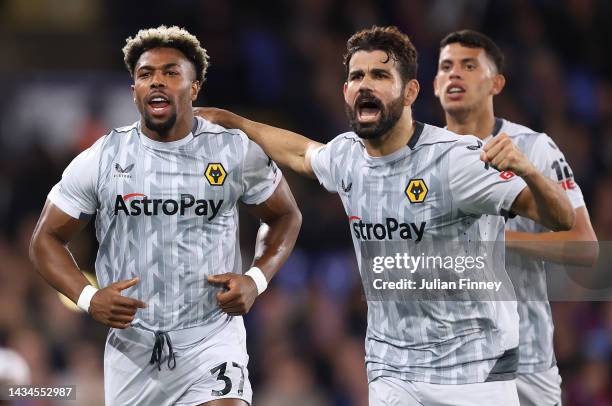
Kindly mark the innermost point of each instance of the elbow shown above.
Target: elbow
(565, 221)
(34, 246)
(293, 224)
(589, 245)
(591, 253)
(569, 219)
(296, 220)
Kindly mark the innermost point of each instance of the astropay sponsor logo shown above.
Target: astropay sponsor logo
(137, 204)
(391, 229)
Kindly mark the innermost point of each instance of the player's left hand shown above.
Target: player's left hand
(502, 154)
(213, 114)
(239, 294)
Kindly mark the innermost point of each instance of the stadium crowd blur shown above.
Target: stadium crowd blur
(64, 85)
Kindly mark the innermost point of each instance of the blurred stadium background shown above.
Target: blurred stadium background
(64, 85)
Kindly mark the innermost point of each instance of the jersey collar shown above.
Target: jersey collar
(418, 130)
(167, 145)
(497, 127)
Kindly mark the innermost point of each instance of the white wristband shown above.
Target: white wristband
(85, 298)
(259, 278)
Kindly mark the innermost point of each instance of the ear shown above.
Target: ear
(499, 81)
(133, 93)
(435, 87)
(344, 91)
(195, 89)
(411, 91)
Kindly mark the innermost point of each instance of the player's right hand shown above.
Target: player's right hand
(109, 307)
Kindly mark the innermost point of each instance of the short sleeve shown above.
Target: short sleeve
(548, 158)
(260, 175)
(76, 193)
(321, 162)
(478, 188)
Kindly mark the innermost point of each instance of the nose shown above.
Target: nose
(158, 80)
(365, 84)
(454, 72)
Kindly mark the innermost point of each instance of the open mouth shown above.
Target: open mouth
(368, 110)
(159, 104)
(455, 91)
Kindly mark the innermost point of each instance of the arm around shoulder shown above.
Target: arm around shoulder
(287, 148)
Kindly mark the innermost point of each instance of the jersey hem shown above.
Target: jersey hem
(434, 378)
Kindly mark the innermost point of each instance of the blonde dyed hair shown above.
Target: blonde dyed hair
(166, 37)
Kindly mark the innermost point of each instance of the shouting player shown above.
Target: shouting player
(165, 192)
(470, 74)
(418, 352)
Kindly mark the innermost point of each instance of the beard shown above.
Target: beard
(162, 128)
(389, 116)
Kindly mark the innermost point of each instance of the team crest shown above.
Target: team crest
(215, 174)
(416, 190)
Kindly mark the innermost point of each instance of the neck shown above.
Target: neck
(478, 123)
(181, 128)
(394, 139)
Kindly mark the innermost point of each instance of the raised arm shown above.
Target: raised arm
(543, 201)
(280, 223)
(50, 255)
(287, 148)
(577, 246)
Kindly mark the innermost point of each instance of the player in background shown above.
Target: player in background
(470, 74)
(418, 353)
(165, 191)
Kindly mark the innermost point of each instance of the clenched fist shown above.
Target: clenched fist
(109, 307)
(502, 154)
(239, 293)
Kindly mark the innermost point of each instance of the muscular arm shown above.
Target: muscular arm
(49, 251)
(287, 148)
(50, 255)
(543, 201)
(577, 246)
(280, 224)
(281, 221)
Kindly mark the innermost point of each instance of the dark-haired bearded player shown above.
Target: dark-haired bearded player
(165, 191)
(418, 352)
(470, 74)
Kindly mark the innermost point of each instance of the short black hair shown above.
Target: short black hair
(390, 40)
(475, 39)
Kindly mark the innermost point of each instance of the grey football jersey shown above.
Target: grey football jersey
(166, 213)
(447, 342)
(529, 276)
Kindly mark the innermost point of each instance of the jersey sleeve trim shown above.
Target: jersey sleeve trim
(66, 205)
(266, 193)
(314, 164)
(512, 192)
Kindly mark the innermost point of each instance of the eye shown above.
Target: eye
(144, 74)
(470, 66)
(356, 76)
(445, 67)
(172, 73)
(379, 75)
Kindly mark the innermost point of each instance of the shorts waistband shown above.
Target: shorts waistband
(180, 337)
